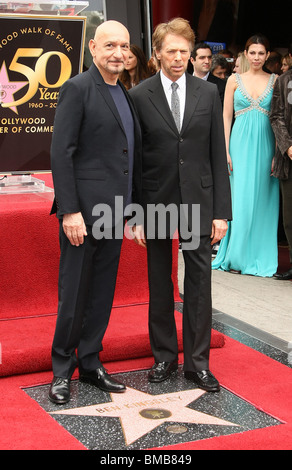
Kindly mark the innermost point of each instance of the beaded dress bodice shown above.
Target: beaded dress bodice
(244, 103)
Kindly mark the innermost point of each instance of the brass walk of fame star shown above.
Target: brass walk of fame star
(140, 412)
(7, 88)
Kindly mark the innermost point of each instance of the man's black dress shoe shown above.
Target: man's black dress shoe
(204, 379)
(101, 379)
(60, 391)
(284, 276)
(161, 371)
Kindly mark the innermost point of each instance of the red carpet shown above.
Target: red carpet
(29, 285)
(29, 255)
(264, 383)
(30, 261)
(256, 378)
(26, 343)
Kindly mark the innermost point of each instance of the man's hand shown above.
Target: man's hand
(139, 235)
(289, 153)
(74, 228)
(219, 229)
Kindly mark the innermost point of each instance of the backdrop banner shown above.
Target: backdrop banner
(37, 55)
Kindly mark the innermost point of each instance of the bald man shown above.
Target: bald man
(95, 145)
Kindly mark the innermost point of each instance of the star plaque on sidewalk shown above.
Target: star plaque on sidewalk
(140, 413)
(150, 416)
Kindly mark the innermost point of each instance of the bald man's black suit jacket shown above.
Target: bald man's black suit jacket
(89, 152)
(90, 166)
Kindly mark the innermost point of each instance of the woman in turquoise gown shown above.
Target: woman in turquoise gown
(250, 245)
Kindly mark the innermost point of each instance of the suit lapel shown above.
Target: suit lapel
(104, 91)
(192, 99)
(159, 101)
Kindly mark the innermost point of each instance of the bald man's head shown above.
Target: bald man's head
(110, 27)
(110, 49)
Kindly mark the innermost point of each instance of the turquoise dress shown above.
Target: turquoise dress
(250, 245)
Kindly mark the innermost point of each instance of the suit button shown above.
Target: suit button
(181, 140)
(126, 172)
(125, 151)
(181, 161)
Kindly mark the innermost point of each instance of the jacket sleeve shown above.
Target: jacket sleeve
(277, 119)
(222, 208)
(67, 125)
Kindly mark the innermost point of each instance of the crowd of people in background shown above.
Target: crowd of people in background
(249, 241)
(221, 65)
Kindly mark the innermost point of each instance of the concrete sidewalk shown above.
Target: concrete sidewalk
(263, 303)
